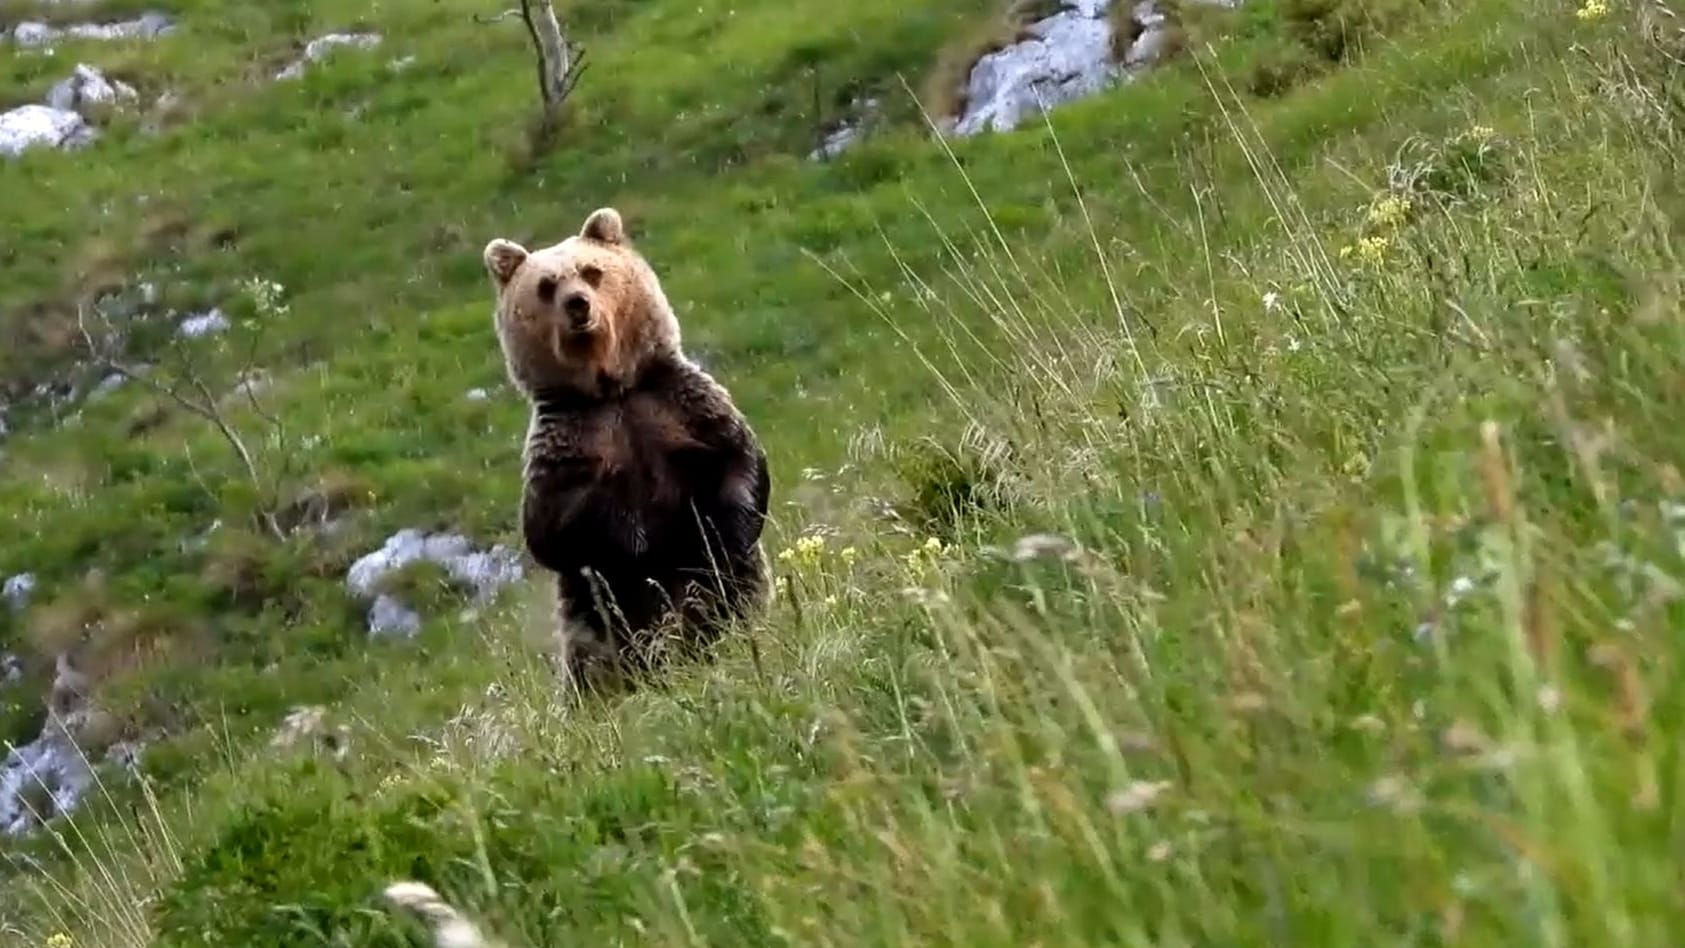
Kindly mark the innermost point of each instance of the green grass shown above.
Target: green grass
(1326, 370)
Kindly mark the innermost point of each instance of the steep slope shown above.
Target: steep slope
(1236, 511)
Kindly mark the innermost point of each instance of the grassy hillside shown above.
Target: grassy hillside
(1239, 510)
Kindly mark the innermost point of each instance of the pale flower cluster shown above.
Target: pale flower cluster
(266, 294)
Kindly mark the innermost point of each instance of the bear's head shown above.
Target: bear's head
(584, 315)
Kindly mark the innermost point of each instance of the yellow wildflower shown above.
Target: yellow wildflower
(1373, 249)
(922, 557)
(58, 940)
(848, 555)
(1593, 10)
(1389, 212)
(1367, 250)
(805, 552)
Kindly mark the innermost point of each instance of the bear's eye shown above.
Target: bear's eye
(547, 290)
(591, 275)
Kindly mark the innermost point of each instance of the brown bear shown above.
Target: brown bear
(645, 487)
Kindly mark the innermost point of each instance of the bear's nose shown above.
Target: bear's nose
(578, 309)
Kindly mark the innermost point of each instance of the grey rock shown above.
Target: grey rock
(486, 571)
(127, 302)
(30, 33)
(845, 134)
(1064, 57)
(1155, 30)
(49, 776)
(483, 572)
(251, 383)
(145, 27)
(203, 324)
(106, 386)
(48, 773)
(126, 755)
(88, 86)
(42, 126)
(18, 590)
(390, 618)
(318, 49)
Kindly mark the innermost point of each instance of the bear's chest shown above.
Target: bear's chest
(645, 466)
(640, 444)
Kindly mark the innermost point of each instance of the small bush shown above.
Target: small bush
(305, 860)
(1338, 30)
(1451, 169)
(1317, 36)
(949, 485)
(305, 865)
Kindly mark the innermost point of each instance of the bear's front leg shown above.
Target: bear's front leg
(732, 514)
(739, 504)
(592, 658)
(556, 490)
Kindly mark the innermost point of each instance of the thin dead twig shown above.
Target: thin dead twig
(197, 399)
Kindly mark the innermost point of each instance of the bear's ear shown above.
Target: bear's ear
(604, 225)
(503, 258)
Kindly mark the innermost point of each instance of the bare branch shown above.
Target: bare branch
(559, 60)
(245, 381)
(498, 18)
(571, 78)
(552, 46)
(193, 396)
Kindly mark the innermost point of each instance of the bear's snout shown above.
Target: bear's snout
(577, 308)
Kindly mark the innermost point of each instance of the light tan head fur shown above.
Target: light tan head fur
(581, 315)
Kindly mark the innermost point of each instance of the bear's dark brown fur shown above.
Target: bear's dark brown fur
(645, 487)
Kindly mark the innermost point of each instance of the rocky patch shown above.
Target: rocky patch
(844, 134)
(31, 34)
(202, 324)
(88, 86)
(482, 572)
(62, 121)
(320, 48)
(49, 776)
(1067, 56)
(42, 126)
(18, 590)
(1063, 57)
